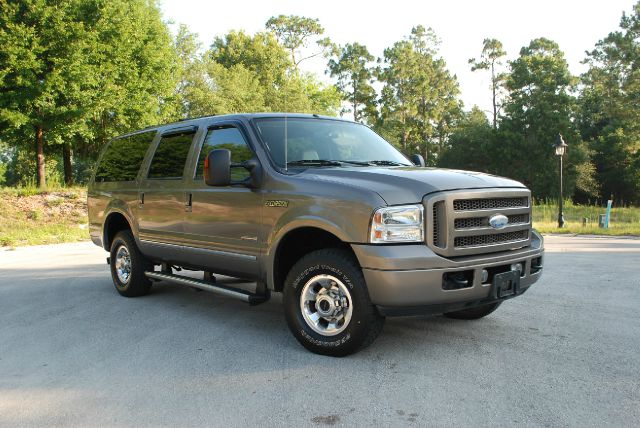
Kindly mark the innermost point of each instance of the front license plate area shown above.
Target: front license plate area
(506, 284)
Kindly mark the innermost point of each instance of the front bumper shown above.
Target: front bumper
(408, 279)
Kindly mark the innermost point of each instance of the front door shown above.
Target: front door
(224, 221)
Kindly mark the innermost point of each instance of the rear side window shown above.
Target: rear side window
(123, 157)
(171, 155)
(226, 137)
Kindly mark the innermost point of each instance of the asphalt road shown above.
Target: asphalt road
(75, 353)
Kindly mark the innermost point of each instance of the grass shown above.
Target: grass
(30, 216)
(623, 221)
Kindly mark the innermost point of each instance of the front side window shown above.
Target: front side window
(123, 158)
(171, 155)
(230, 138)
(301, 141)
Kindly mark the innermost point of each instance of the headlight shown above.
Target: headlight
(398, 224)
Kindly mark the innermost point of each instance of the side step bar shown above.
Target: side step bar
(236, 293)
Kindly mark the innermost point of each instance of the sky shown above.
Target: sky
(461, 25)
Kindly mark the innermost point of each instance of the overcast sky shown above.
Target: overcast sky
(461, 25)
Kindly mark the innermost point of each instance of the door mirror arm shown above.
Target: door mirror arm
(255, 170)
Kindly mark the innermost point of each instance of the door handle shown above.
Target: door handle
(188, 202)
(140, 199)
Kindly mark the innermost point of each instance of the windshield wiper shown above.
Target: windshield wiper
(315, 162)
(387, 163)
(361, 163)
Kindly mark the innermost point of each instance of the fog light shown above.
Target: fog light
(484, 276)
(516, 267)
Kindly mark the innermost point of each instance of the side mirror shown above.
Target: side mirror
(217, 168)
(417, 160)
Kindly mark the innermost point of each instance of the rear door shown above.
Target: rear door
(224, 222)
(161, 197)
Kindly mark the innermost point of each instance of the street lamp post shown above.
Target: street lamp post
(560, 147)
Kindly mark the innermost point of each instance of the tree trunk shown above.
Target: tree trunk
(354, 102)
(426, 152)
(405, 137)
(494, 89)
(67, 156)
(40, 170)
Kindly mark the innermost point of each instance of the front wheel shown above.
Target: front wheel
(327, 306)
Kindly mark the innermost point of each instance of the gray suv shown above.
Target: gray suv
(320, 209)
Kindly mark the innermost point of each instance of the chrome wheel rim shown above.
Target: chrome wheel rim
(123, 264)
(326, 305)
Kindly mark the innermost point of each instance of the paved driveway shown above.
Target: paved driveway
(74, 353)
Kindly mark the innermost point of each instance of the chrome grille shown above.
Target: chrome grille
(496, 238)
(471, 222)
(518, 219)
(468, 223)
(489, 204)
(438, 211)
(459, 221)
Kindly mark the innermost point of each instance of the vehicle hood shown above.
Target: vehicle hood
(406, 185)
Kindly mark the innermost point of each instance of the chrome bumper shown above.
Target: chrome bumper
(404, 279)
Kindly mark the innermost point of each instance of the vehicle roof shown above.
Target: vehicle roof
(196, 121)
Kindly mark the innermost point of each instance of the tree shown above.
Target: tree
(541, 105)
(41, 60)
(296, 32)
(491, 59)
(136, 66)
(243, 73)
(472, 145)
(419, 101)
(610, 112)
(74, 72)
(354, 76)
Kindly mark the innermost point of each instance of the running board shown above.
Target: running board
(236, 293)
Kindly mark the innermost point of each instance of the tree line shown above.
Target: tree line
(75, 73)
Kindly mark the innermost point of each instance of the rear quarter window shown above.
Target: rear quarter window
(123, 158)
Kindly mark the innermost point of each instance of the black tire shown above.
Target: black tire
(365, 322)
(137, 284)
(473, 313)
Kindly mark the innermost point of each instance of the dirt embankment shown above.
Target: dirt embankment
(42, 217)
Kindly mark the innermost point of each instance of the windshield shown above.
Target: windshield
(318, 142)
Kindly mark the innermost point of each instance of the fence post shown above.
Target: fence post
(608, 215)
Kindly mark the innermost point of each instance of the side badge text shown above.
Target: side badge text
(276, 203)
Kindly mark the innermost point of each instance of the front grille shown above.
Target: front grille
(469, 223)
(497, 238)
(438, 211)
(489, 204)
(458, 223)
(518, 219)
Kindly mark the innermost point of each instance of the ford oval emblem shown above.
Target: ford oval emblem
(498, 221)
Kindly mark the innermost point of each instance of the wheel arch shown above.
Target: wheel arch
(296, 243)
(115, 222)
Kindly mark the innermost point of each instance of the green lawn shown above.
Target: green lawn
(32, 217)
(624, 221)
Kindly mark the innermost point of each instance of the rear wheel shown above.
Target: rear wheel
(128, 266)
(473, 313)
(327, 306)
